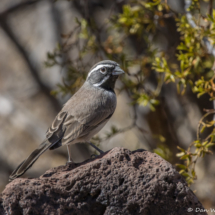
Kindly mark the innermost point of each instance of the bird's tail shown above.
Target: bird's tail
(28, 162)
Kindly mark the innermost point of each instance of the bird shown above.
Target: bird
(82, 116)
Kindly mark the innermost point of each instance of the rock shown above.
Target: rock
(117, 182)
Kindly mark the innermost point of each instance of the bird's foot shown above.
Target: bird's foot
(69, 162)
(94, 156)
(96, 148)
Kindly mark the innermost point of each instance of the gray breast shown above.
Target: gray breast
(90, 99)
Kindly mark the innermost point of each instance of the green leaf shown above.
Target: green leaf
(181, 166)
(184, 157)
(205, 143)
(198, 145)
(181, 149)
(180, 154)
(209, 145)
(185, 174)
(181, 171)
(154, 102)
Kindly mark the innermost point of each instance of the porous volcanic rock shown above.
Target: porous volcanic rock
(117, 182)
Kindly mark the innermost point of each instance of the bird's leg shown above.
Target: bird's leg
(69, 155)
(99, 150)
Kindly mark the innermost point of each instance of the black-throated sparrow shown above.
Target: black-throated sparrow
(84, 114)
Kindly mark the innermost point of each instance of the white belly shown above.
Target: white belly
(90, 135)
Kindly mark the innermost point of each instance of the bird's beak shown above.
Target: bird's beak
(117, 71)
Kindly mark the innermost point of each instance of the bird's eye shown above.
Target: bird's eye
(103, 70)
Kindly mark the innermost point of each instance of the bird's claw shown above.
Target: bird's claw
(94, 156)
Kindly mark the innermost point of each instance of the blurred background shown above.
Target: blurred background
(47, 48)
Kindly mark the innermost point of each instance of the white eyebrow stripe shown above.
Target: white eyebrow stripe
(98, 67)
(102, 81)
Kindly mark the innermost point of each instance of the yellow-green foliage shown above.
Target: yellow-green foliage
(140, 20)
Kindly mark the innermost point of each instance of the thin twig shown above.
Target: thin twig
(35, 73)
(210, 48)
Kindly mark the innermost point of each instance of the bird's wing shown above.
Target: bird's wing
(77, 128)
(56, 131)
(66, 127)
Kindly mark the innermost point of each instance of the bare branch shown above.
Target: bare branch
(18, 6)
(9, 32)
(210, 7)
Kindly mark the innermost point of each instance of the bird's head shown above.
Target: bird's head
(104, 74)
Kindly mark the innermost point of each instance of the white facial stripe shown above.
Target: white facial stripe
(98, 67)
(102, 81)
